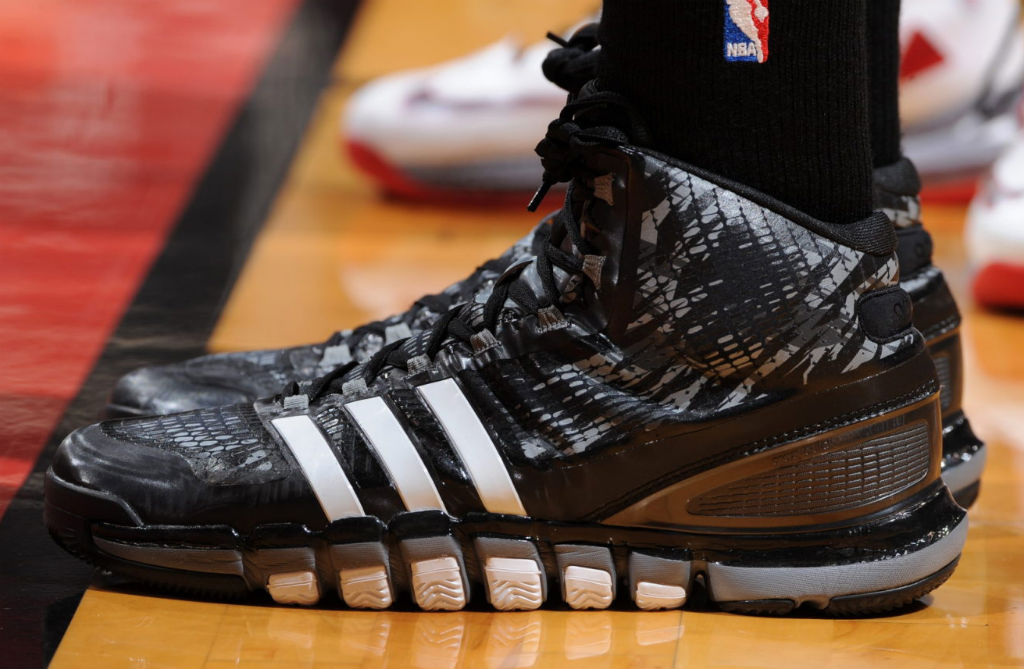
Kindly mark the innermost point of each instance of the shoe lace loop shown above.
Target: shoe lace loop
(574, 63)
(438, 304)
(594, 118)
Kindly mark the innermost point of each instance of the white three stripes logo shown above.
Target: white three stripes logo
(399, 457)
(325, 475)
(474, 446)
(384, 434)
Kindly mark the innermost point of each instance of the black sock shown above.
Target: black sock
(884, 79)
(794, 126)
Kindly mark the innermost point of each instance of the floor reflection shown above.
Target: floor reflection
(973, 620)
(514, 641)
(493, 640)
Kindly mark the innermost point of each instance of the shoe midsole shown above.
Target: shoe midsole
(899, 546)
(966, 473)
(820, 584)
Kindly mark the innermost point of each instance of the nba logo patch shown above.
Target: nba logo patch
(746, 31)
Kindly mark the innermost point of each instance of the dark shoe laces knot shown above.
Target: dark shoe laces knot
(593, 118)
(437, 304)
(574, 63)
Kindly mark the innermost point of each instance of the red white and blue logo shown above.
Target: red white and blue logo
(746, 31)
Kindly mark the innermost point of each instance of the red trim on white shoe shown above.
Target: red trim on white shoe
(1000, 286)
(956, 191)
(393, 181)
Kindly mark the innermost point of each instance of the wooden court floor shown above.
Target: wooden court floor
(357, 256)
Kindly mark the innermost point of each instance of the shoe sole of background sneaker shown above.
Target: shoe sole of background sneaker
(883, 564)
(505, 182)
(951, 191)
(999, 285)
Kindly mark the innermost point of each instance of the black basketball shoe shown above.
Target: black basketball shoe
(897, 193)
(690, 383)
(224, 378)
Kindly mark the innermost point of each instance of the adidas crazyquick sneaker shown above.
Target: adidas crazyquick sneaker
(690, 382)
(896, 191)
(226, 378)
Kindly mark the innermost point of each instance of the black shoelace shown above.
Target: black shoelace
(438, 304)
(574, 63)
(594, 118)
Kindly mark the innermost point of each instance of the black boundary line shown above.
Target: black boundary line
(175, 309)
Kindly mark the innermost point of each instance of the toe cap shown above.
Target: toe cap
(170, 389)
(137, 478)
(157, 485)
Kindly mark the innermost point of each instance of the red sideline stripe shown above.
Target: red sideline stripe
(110, 110)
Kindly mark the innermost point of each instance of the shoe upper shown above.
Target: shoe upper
(225, 378)
(410, 118)
(896, 189)
(956, 54)
(662, 304)
(961, 77)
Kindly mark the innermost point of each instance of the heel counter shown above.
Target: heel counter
(935, 310)
(832, 478)
(947, 354)
(753, 297)
(896, 192)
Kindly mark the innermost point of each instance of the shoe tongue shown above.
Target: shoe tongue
(607, 226)
(416, 345)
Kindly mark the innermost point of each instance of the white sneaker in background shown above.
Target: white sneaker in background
(465, 125)
(995, 233)
(470, 125)
(961, 77)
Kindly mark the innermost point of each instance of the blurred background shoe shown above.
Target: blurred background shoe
(462, 127)
(995, 233)
(467, 127)
(963, 65)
